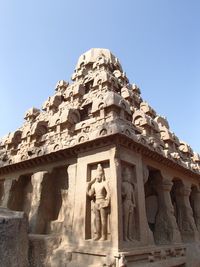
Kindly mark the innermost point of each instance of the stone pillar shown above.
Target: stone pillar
(6, 193)
(69, 204)
(1, 191)
(185, 218)
(166, 229)
(146, 235)
(36, 180)
(116, 213)
(195, 198)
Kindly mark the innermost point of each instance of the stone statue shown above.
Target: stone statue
(128, 205)
(98, 190)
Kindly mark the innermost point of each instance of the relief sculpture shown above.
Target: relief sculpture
(98, 191)
(128, 205)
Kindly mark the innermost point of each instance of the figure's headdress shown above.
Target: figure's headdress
(127, 175)
(100, 170)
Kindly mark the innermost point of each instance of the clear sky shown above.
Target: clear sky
(157, 42)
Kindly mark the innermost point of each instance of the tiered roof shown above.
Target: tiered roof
(99, 102)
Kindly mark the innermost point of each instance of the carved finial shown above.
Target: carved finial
(32, 113)
(100, 170)
(61, 86)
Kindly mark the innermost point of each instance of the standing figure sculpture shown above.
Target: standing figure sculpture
(128, 205)
(98, 190)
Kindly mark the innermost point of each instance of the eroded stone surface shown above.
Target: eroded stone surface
(41, 249)
(13, 239)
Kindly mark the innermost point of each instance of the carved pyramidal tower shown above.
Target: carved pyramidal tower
(100, 177)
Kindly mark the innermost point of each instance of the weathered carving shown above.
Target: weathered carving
(184, 214)
(128, 204)
(110, 261)
(122, 261)
(99, 192)
(166, 229)
(195, 200)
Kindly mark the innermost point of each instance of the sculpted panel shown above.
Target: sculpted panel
(99, 194)
(128, 203)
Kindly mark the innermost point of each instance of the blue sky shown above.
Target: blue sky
(157, 42)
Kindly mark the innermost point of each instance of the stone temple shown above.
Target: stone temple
(96, 178)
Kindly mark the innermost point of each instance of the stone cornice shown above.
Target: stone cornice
(115, 140)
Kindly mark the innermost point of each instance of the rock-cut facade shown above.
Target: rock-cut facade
(96, 178)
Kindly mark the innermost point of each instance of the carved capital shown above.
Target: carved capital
(117, 153)
(166, 185)
(183, 191)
